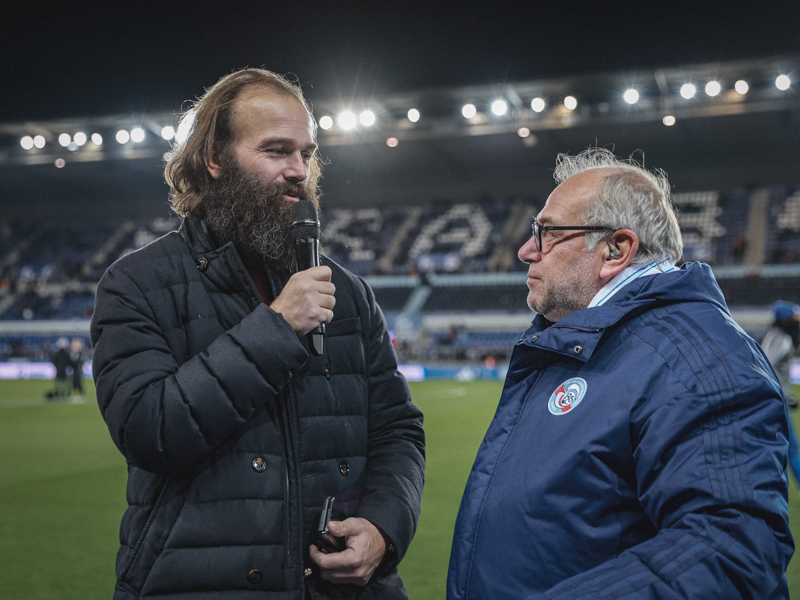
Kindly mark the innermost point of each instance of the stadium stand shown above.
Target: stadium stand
(447, 258)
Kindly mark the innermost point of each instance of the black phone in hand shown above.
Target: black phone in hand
(324, 539)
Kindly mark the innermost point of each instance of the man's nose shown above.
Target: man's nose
(528, 253)
(296, 169)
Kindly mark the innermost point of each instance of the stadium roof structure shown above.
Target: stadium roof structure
(724, 134)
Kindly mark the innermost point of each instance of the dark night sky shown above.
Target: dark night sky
(62, 61)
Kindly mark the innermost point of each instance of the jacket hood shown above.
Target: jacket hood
(579, 333)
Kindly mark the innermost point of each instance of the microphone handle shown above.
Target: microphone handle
(307, 250)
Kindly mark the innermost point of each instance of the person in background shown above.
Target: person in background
(62, 361)
(77, 358)
(639, 447)
(780, 344)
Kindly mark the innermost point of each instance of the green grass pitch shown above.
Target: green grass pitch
(63, 491)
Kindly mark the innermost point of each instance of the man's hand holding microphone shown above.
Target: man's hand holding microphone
(307, 301)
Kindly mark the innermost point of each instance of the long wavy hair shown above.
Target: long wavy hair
(209, 126)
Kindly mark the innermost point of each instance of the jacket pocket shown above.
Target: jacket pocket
(154, 534)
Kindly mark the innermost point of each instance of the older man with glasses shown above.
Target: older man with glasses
(639, 447)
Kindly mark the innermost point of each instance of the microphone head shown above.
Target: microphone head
(304, 220)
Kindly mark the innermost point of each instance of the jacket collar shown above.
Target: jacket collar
(579, 334)
(219, 263)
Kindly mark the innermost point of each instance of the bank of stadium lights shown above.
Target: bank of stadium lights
(570, 103)
(668, 120)
(123, 137)
(326, 122)
(499, 107)
(523, 132)
(688, 91)
(713, 88)
(39, 141)
(631, 96)
(97, 139)
(413, 115)
(64, 139)
(392, 142)
(137, 135)
(468, 111)
(26, 142)
(741, 87)
(537, 105)
(783, 83)
(168, 132)
(79, 138)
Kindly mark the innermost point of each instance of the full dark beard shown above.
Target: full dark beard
(253, 214)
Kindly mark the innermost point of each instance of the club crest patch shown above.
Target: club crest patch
(568, 395)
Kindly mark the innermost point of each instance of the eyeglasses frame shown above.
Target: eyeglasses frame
(538, 229)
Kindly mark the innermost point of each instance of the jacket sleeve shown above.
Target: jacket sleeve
(710, 456)
(396, 444)
(162, 415)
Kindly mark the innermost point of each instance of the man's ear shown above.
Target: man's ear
(213, 162)
(618, 252)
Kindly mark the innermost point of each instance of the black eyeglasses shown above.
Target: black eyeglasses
(538, 229)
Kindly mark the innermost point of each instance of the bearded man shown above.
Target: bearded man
(639, 447)
(234, 434)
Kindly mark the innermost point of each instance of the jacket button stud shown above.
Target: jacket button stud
(259, 465)
(307, 572)
(577, 350)
(327, 372)
(344, 468)
(254, 576)
(202, 264)
(534, 338)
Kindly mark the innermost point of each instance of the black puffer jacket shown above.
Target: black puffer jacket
(234, 436)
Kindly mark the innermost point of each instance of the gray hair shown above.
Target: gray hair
(631, 197)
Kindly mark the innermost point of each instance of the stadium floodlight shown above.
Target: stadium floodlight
(64, 139)
(631, 96)
(392, 142)
(168, 132)
(668, 120)
(347, 120)
(97, 139)
(469, 111)
(137, 134)
(713, 88)
(185, 127)
(741, 87)
(688, 90)
(499, 107)
(326, 122)
(523, 132)
(413, 115)
(79, 138)
(782, 82)
(60, 162)
(367, 118)
(570, 103)
(39, 141)
(537, 104)
(26, 142)
(123, 137)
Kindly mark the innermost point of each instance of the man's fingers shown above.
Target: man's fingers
(322, 273)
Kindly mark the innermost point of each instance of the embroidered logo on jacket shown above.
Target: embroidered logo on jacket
(568, 395)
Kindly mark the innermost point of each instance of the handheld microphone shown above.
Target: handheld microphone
(305, 233)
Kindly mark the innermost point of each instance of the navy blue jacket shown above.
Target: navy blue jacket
(234, 435)
(639, 450)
